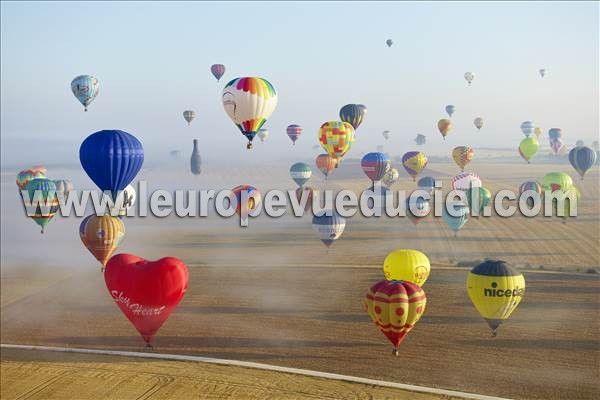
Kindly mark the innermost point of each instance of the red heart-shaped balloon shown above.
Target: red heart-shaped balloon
(146, 291)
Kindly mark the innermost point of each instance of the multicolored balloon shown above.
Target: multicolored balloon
(554, 181)
(462, 156)
(189, 116)
(469, 76)
(414, 162)
(300, 173)
(478, 122)
(527, 128)
(218, 70)
(329, 227)
(450, 108)
(249, 102)
(530, 186)
(251, 203)
(325, 164)
(528, 148)
(354, 114)
(111, 159)
(407, 265)
(101, 235)
(336, 138)
(375, 165)
(495, 289)
(25, 176)
(294, 132)
(85, 88)
(395, 307)
(43, 202)
(390, 177)
(582, 159)
(444, 126)
(456, 222)
(465, 181)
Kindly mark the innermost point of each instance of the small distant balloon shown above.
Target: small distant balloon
(329, 227)
(462, 156)
(375, 165)
(263, 133)
(391, 177)
(85, 88)
(527, 128)
(478, 122)
(389, 42)
(528, 148)
(543, 72)
(444, 126)
(450, 109)
(420, 140)
(218, 70)
(189, 116)
(386, 135)
(300, 173)
(414, 162)
(325, 164)
(469, 76)
(294, 131)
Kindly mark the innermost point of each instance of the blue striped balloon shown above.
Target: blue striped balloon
(85, 88)
(375, 165)
(582, 159)
(354, 114)
(300, 173)
(111, 159)
(329, 227)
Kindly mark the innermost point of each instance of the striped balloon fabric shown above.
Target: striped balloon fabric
(326, 164)
(582, 159)
(462, 156)
(414, 162)
(294, 131)
(354, 114)
(218, 70)
(329, 227)
(530, 185)
(465, 180)
(375, 165)
(43, 203)
(300, 173)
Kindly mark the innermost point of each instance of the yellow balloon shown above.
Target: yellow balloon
(407, 265)
(444, 126)
(462, 156)
(528, 148)
(101, 235)
(496, 289)
(537, 131)
(336, 138)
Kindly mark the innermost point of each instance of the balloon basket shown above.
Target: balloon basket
(395, 353)
(494, 333)
(149, 347)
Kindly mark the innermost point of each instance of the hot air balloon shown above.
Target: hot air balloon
(557, 146)
(38, 169)
(417, 208)
(386, 134)
(27, 175)
(146, 291)
(414, 162)
(465, 181)
(111, 159)
(125, 200)
(407, 265)
(450, 109)
(249, 102)
(555, 133)
(395, 307)
(582, 159)
(527, 128)
(462, 156)
(300, 173)
(455, 222)
(542, 72)
(329, 227)
(325, 164)
(63, 188)
(375, 165)
(478, 122)
(390, 177)
(469, 76)
(263, 133)
(554, 181)
(496, 289)
(389, 42)
(196, 160)
(101, 235)
(426, 183)
(528, 148)
(579, 143)
(354, 114)
(43, 201)
(309, 193)
(420, 140)
(537, 131)
(530, 185)
(244, 208)
(189, 116)
(218, 70)
(336, 138)
(294, 132)
(444, 126)
(478, 198)
(85, 88)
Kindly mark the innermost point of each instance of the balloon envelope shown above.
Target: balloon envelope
(294, 132)
(462, 156)
(111, 159)
(528, 148)
(375, 165)
(336, 138)
(263, 133)
(582, 159)
(478, 122)
(325, 164)
(101, 235)
(450, 109)
(354, 114)
(218, 70)
(300, 173)
(85, 88)
(457, 221)
(43, 201)
(406, 265)
(414, 162)
(245, 199)
(329, 227)
(444, 126)
(391, 177)
(465, 180)
(189, 116)
(469, 76)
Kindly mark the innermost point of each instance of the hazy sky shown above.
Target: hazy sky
(153, 60)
